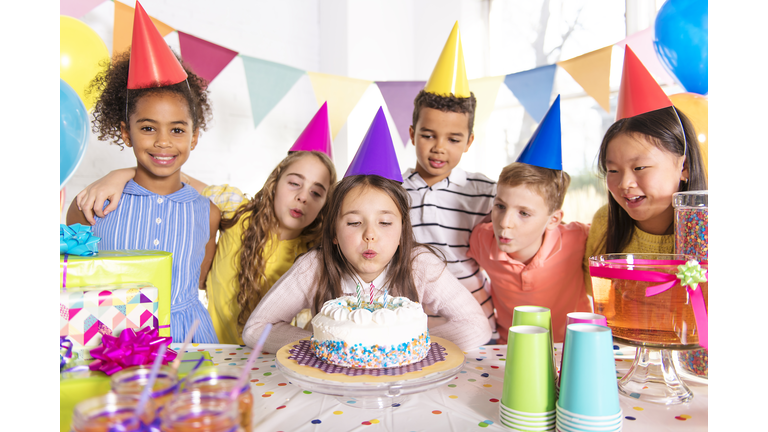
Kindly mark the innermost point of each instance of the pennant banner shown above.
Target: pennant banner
(485, 90)
(78, 8)
(267, 82)
(342, 94)
(642, 45)
(206, 59)
(123, 28)
(592, 71)
(533, 89)
(399, 97)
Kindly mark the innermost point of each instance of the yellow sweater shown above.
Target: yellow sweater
(222, 282)
(641, 242)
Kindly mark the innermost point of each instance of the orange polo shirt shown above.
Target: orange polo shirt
(552, 279)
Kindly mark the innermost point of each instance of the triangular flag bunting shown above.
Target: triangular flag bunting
(485, 90)
(592, 71)
(123, 27)
(77, 8)
(342, 94)
(533, 89)
(267, 82)
(399, 96)
(642, 45)
(206, 59)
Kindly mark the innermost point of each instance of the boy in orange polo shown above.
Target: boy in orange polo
(531, 257)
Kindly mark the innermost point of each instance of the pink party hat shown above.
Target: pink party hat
(376, 154)
(317, 134)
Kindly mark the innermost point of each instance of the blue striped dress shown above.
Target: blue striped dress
(178, 223)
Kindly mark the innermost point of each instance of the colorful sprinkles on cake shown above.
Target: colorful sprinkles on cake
(372, 356)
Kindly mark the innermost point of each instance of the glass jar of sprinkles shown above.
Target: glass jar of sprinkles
(691, 223)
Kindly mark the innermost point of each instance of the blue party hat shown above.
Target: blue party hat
(545, 146)
(376, 154)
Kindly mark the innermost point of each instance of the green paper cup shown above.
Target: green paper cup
(529, 375)
(536, 316)
(524, 423)
(526, 428)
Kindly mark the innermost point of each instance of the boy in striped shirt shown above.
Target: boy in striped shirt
(447, 202)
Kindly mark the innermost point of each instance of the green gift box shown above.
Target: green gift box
(123, 266)
(76, 387)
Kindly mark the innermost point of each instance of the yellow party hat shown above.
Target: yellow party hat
(450, 76)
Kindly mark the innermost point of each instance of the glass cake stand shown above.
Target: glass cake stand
(370, 394)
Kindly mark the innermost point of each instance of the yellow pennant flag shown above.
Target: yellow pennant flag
(485, 90)
(123, 28)
(342, 94)
(592, 71)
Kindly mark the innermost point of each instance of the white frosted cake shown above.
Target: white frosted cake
(375, 335)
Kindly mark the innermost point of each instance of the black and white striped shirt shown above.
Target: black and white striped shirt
(444, 215)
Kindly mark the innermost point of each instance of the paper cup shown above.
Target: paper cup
(523, 422)
(529, 375)
(569, 415)
(536, 316)
(569, 427)
(530, 418)
(525, 428)
(578, 318)
(588, 385)
(578, 420)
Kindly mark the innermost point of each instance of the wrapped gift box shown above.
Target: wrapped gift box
(87, 313)
(76, 387)
(123, 266)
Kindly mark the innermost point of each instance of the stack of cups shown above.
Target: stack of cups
(589, 395)
(528, 396)
(539, 316)
(576, 318)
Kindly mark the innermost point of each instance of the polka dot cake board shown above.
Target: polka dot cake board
(453, 358)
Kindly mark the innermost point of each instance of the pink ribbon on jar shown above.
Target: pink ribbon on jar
(667, 281)
(131, 348)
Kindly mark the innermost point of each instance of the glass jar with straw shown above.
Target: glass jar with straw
(222, 379)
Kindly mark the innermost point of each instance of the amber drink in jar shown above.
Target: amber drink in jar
(112, 412)
(196, 411)
(132, 381)
(222, 379)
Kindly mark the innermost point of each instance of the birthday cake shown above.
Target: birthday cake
(389, 332)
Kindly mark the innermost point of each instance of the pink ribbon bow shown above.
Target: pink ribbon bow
(668, 281)
(131, 348)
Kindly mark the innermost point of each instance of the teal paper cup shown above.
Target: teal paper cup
(588, 385)
(565, 426)
(529, 379)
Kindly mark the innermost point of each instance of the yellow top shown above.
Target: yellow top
(450, 75)
(222, 282)
(641, 242)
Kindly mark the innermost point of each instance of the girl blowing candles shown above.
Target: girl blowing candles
(155, 106)
(647, 155)
(367, 239)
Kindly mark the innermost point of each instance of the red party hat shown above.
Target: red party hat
(152, 61)
(317, 134)
(639, 92)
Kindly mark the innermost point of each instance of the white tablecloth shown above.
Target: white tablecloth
(469, 402)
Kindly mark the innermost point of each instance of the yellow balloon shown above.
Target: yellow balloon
(81, 51)
(696, 108)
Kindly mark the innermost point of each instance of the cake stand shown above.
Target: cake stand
(372, 392)
(657, 325)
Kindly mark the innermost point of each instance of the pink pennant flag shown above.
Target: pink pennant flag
(78, 8)
(399, 96)
(642, 45)
(206, 59)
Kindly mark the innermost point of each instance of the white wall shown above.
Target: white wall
(375, 40)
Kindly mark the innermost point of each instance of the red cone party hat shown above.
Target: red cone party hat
(639, 92)
(152, 61)
(317, 134)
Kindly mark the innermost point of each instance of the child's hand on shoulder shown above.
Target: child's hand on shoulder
(91, 200)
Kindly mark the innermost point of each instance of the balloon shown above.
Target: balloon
(696, 108)
(681, 42)
(73, 132)
(81, 50)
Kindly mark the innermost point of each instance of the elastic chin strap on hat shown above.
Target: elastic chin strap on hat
(685, 142)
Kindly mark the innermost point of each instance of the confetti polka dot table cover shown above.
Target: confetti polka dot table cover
(470, 402)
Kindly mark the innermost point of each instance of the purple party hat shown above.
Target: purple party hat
(376, 154)
(545, 146)
(317, 134)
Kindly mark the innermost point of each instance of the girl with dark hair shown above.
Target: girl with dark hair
(644, 160)
(368, 240)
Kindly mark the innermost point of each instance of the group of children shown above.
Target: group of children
(430, 234)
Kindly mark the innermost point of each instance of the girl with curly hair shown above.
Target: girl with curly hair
(160, 119)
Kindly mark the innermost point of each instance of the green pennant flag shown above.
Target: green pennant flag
(267, 82)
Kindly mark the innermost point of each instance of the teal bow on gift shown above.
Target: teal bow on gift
(77, 240)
